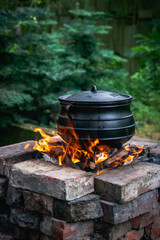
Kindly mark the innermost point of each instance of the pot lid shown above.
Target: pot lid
(95, 96)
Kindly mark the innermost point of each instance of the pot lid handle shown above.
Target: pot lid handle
(94, 89)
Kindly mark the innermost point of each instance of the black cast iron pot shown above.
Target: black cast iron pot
(96, 114)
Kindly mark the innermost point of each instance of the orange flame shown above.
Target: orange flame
(93, 155)
(26, 146)
(128, 160)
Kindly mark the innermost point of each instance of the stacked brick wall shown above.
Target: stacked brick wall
(43, 201)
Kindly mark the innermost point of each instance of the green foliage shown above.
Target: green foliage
(29, 46)
(11, 98)
(145, 83)
(85, 60)
(40, 62)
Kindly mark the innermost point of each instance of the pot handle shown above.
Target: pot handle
(67, 108)
(94, 89)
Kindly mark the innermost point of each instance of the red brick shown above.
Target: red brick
(152, 231)
(67, 231)
(136, 222)
(20, 233)
(133, 235)
(34, 235)
(25, 234)
(5, 237)
(143, 220)
(156, 229)
(147, 232)
(62, 230)
(38, 202)
(114, 232)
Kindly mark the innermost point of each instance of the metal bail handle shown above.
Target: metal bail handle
(68, 109)
(94, 89)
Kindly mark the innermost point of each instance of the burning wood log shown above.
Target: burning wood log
(116, 156)
(123, 153)
(56, 149)
(92, 165)
(55, 146)
(68, 162)
(52, 159)
(56, 140)
(94, 157)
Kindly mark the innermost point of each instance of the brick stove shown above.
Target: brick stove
(42, 201)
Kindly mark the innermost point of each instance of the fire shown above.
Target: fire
(26, 146)
(128, 160)
(99, 158)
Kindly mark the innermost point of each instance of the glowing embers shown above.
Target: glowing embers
(90, 157)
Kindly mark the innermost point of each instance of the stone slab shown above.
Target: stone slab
(61, 182)
(16, 153)
(126, 183)
(4, 208)
(84, 208)
(114, 232)
(118, 213)
(3, 186)
(5, 225)
(147, 144)
(155, 151)
(24, 218)
(14, 196)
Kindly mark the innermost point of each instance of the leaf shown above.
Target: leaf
(10, 98)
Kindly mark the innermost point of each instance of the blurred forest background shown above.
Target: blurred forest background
(50, 48)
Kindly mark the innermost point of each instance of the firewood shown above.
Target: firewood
(121, 154)
(92, 165)
(68, 162)
(116, 156)
(47, 158)
(56, 140)
(56, 146)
